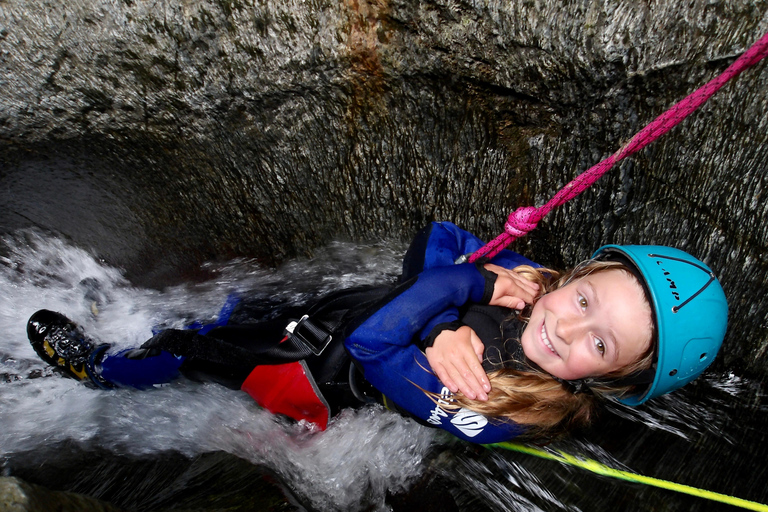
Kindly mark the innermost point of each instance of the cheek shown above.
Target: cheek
(538, 308)
(534, 319)
(528, 338)
(553, 301)
(579, 366)
(581, 359)
(526, 334)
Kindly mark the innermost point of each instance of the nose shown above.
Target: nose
(569, 329)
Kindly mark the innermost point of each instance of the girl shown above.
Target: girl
(637, 322)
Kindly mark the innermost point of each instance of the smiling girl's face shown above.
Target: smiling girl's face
(590, 327)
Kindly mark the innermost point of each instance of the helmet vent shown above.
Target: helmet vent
(673, 373)
(703, 356)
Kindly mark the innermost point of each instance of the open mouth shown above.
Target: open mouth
(546, 341)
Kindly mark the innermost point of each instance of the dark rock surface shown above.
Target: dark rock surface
(164, 134)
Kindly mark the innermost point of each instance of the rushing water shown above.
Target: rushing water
(711, 435)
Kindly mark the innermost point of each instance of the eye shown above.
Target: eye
(583, 302)
(600, 346)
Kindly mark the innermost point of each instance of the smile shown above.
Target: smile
(546, 341)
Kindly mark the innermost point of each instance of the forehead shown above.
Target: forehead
(617, 282)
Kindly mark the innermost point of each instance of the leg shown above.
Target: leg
(140, 368)
(227, 354)
(62, 344)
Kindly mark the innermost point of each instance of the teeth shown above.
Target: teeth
(545, 339)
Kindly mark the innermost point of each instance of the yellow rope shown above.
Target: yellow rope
(602, 469)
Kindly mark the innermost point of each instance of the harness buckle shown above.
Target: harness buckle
(309, 335)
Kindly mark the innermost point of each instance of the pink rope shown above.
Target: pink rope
(524, 219)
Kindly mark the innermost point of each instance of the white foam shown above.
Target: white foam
(361, 455)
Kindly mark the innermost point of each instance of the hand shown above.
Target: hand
(456, 358)
(511, 290)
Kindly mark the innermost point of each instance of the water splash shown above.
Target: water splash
(361, 455)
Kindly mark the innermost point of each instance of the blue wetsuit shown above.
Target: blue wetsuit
(383, 344)
(385, 340)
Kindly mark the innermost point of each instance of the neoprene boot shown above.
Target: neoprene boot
(62, 343)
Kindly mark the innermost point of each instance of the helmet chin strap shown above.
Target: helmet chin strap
(577, 386)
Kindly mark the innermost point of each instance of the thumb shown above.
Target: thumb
(477, 345)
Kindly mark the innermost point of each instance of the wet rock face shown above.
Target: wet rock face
(212, 129)
(19, 496)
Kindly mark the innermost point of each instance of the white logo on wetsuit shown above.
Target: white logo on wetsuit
(438, 412)
(470, 423)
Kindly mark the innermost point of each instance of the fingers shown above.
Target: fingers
(511, 290)
(467, 377)
(442, 374)
(479, 371)
(456, 358)
(515, 279)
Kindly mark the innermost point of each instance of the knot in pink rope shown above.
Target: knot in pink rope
(521, 221)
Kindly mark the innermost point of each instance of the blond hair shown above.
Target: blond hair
(536, 399)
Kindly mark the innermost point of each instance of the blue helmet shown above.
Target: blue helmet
(689, 308)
